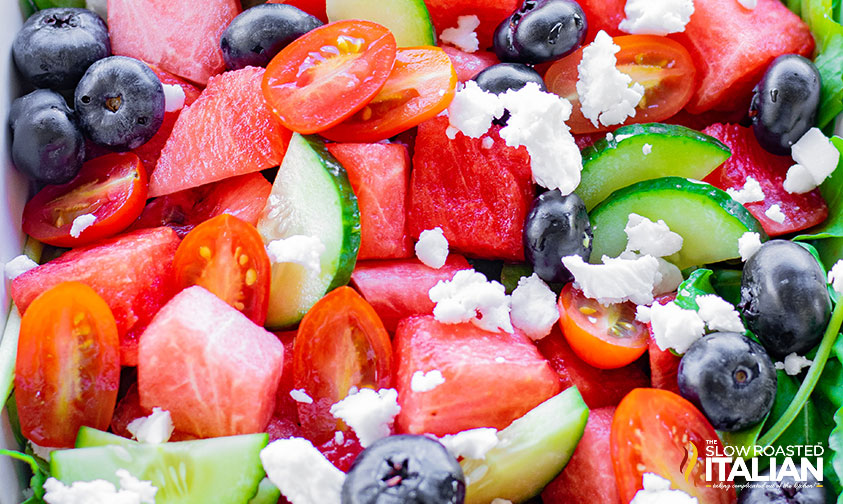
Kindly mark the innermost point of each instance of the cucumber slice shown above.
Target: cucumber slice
(530, 452)
(311, 196)
(267, 493)
(408, 20)
(609, 165)
(88, 437)
(224, 470)
(709, 220)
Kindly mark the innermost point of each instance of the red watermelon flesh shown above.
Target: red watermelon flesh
(479, 391)
(315, 8)
(128, 409)
(479, 197)
(285, 405)
(750, 159)
(228, 131)
(398, 289)
(212, 368)
(133, 272)
(182, 37)
(468, 65)
(603, 15)
(444, 14)
(379, 175)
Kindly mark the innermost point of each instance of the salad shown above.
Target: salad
(346, 251)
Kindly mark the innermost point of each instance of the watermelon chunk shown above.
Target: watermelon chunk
(490, 378)
(603, 15)
(315, 8)
(398, 289)
(228, 131)
(479, 197)
(379, 175)
(750, 159)
(133, 272)
(212, 368)
(468, 65)
(444, 14)
(181, 37)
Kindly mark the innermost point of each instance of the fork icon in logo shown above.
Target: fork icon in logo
(689, 461)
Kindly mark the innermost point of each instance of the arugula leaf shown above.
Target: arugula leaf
(745, 439)
(40, 473)
(828, 63)
(697, 284)
(832, 191)
(819, 16)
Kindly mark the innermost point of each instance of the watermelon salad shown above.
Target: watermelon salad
(348, 251)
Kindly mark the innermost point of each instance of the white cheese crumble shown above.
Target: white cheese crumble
(617, 279)
(500, 360)
(673, 326)
(775, 214)
(82, 223)
(835, 277)
(748, 245)
(718, 314)
(646, 149)
(18, 266)
(370, 414)
(301, 472)
(750, 193)
(472, 111)
(498, 500)
(173, 97)
(299, 249)
(487, 142)
(656, 17)
(748, 4)
(471, 443)
(816, 158)
(671, 278)
(604, 91)
(132, 491)
(657, 491)
(432, 248)
(534, 309)
(42, 451)
(463, 36)
(153, 429)
(299, 395)
(793, 364)
(425, 382)
(339, 438)
(648, 237)
(467, 294)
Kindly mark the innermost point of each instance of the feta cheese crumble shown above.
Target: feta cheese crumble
(718, 314)
(673, 326)
(650, 238)
(173, 97)
(463, 36)
(617, 279)
(370, 414)
(301, 472)
(467, 294)
(425, 382)
(793, 364)
(775, 214)
(472, 111)
(670, 276)
(750, 193)
(534, 309)
(487, 142)
(646, 149)
(299, 395)
(748, 245)
(657, 491)
(153, 429)
(432, 248)
(748, 4)
(132, 491)
(18, 266)
(298, 249)
(656, 17)
(605, 92)
(42, 451)
(835, 277)
(471, 443)
(816, 158)
(82, 223)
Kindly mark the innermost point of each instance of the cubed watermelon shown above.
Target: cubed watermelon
(445, 13)
(467, 65)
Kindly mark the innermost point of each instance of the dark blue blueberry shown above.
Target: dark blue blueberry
(784, 298)
(46, 143)
(502, 77)
(56, 46)
(786, 491)
(255, 36)
(120, 103)
(557, 226)
(784, 104)
(404, 469)
(540, 31)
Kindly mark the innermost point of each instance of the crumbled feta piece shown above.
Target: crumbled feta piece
(646, 149)
(750, 193)
(671, 278)
(132, 491)
(82, 223)
(42, 451)
(656, 17)
(467, 293)
(651, 238)
(153, 429)
(472, 111)
(498, 500)
(534, 309)
(798, 180)
(643, 314)
(775, 214)
(718, 314)
(657, 491)
(675, 327)
(299, 395)
(471, 443)
(463, 36)
(748, 4)
(617, 279)
(748, 245)
(432, 248)
(500, 360)
(173, 97)
(604, 91)
(816, 158)
(370, 414)
(299, 249)
(835, 277)
(793, 364)
(425, 382)
(18, 266)
(339, 438)
(301, 472)
(487, 142)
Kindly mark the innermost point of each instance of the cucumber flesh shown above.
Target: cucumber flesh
(224, 470)
(609, 165)
(267, 493)
(530, 452)
(709, 220)
(408, 20)
(311, 196)
(88, 437)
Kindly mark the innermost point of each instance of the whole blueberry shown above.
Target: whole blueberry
(785, 491)
(556, 226)
(256, 35)
(540, 31)
(409, 469)
(502, 77)
(120, 103)
(56, 46)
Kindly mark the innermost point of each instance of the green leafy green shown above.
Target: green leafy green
(745, 439)
(727, 284)
(830, 65)
(832, 191)
(512, 273)
(697, 284)
(819, 15)
(40, 473)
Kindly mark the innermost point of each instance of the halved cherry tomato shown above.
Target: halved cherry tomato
(226, 256)
(657, 431)
(328, 74)
(607, 337)
(341, 343)
(112, 188)
(420, 86)
(67, 370)
(664, 67)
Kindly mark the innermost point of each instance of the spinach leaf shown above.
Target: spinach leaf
(832, 191)
(40, 473)
(697, 284)
(829, 63)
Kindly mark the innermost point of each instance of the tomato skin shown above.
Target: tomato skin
(591, 340)
(664, 67)
(112, 187)
(319, 80)
(226, 256)
(67, 371)
(340, 343)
